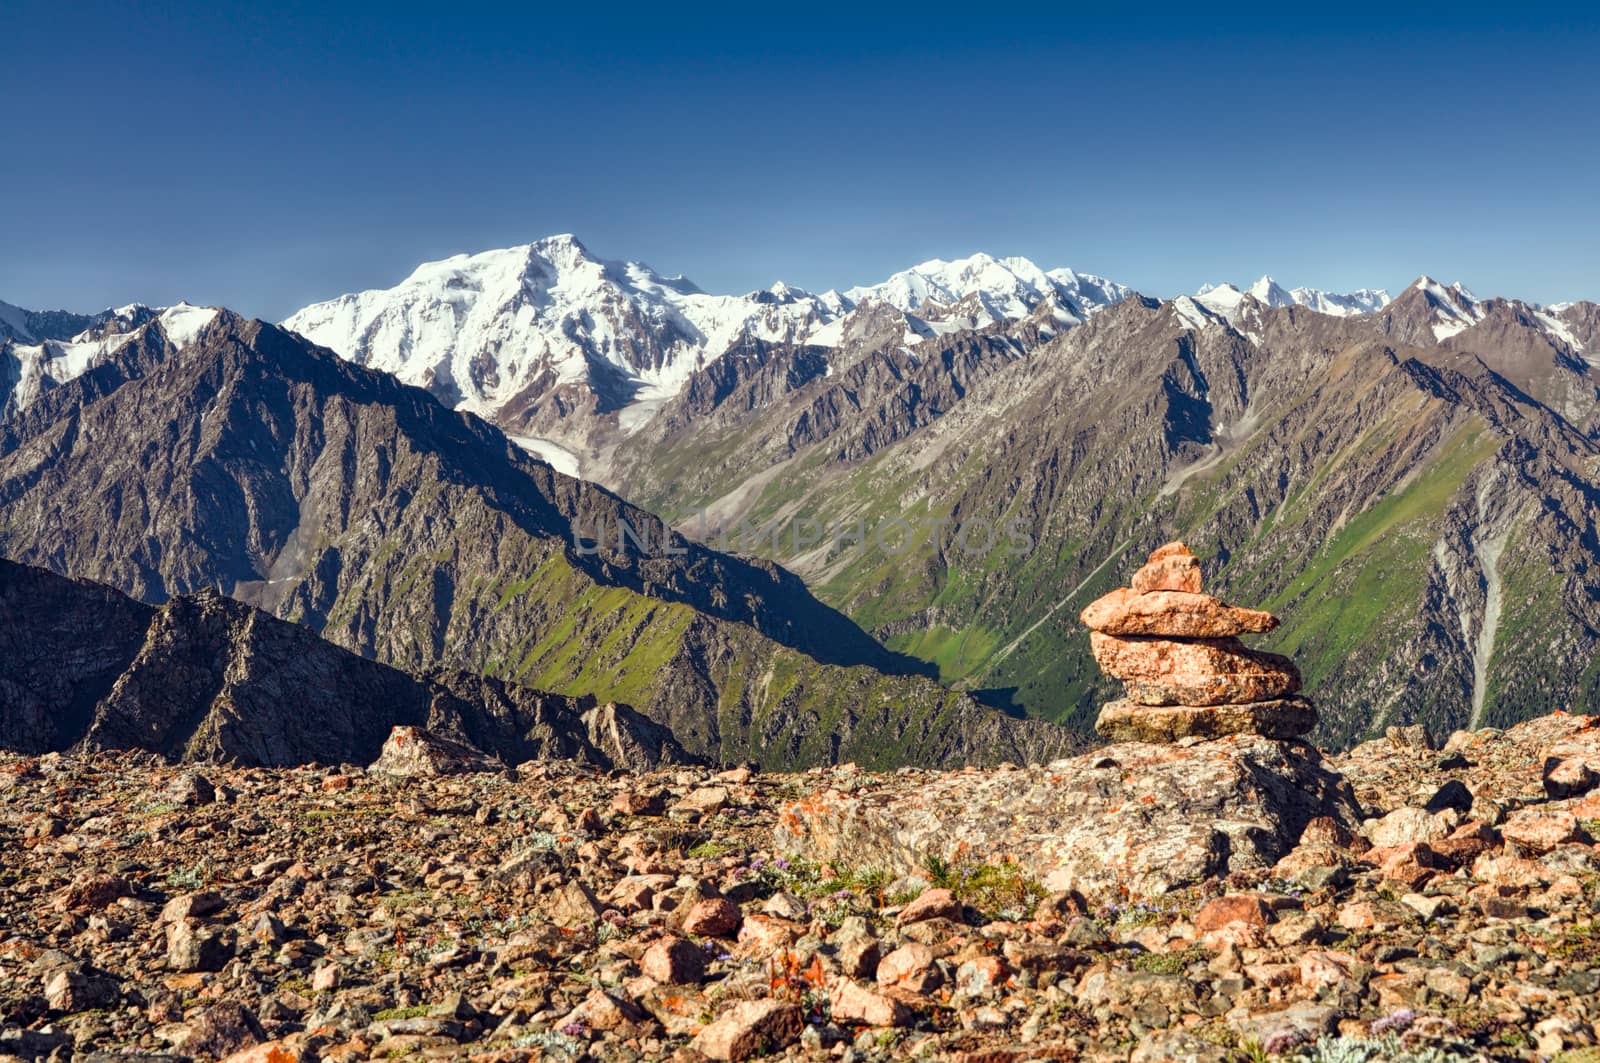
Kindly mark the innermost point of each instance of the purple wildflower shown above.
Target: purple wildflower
(1284, 1041)
(1395, 1023)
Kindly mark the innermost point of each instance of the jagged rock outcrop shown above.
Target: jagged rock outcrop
(205, 678)
(410, 752)
(631, 740)
(521, 724)
(335, 497)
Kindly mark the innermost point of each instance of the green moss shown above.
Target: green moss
(416, 1011)
(1169, 962)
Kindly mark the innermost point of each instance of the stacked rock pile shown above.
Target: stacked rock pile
(1186, 671)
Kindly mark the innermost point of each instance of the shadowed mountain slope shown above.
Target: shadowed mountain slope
(243, 459)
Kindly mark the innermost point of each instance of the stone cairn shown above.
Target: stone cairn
(1186, 671)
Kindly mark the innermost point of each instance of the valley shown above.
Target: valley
(1412, 479)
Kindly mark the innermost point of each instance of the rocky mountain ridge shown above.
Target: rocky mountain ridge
(568, 352)
(31, 326)
(203, 678)
(1338, 470)
(69, 345)
(1457, 431)
(237, 457)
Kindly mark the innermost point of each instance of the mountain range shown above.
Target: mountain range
(205, 677)
(569, 353)
(1271, 424)
(1411, 482)
(206, 452)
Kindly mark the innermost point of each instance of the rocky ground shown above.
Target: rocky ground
(153, 912)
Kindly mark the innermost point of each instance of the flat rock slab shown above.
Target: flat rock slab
(1209, 671)
(1127, 821)
(1170, 568)
(1129, 721)
(1172, 614)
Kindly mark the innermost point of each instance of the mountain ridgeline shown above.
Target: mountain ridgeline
(206, 678)
(229, 455)
(1411, 483)
(1415, 490)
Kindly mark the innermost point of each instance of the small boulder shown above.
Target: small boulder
(1245, 908)
(859, 956)
(934, 903)
(1405, 825)
(1539, 830)
(1172, 614)
(194, 947)
(190, 788)
(1169, 568)
(601, 1010)
(674, 961)
(700, 803)
(191, 906)
(92, 893)
(573, 906)
(76, 988)
(855, 1003)
(714, 917)
(1127, 720)
(981, 975)
(750, 1028)
(1569, 777)
(1218, 671)
(910, 967)
(1453, 794)
(220, 1030)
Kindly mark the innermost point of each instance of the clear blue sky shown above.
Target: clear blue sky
(264, 156)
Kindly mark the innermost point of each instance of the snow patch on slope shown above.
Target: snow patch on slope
(184, 323)
(54, 362)
(1558, 328)
(1455, 309)
(551, 453)
(1195, 314)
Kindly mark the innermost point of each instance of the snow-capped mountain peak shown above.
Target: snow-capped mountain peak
(1008, 288)
(35, 368)
(1270, 292)
(1454, 308)
(480, 330)
(1223, 299)
(184, 323)
(500, 328)
(1226, 298)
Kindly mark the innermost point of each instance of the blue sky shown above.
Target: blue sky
(265, 156)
